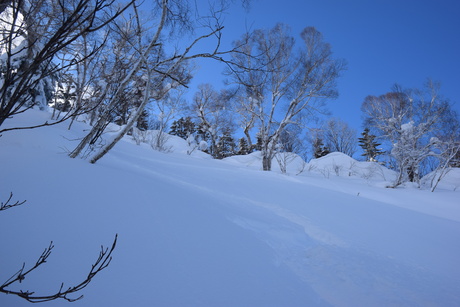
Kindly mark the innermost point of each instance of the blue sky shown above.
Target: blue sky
(384, 42)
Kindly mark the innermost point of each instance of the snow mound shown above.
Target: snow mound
(450, 179)
(164, 142)
(342, 165)
(293, 163)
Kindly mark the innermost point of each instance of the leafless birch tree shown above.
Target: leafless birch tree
(415, 123)
(338, 136)
(282, 85)
(213, 111)
(167, 70)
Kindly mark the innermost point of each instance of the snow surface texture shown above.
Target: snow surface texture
(200, 232)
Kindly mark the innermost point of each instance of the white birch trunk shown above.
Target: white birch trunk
(100, 124)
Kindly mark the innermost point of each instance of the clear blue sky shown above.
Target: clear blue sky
(384, 42)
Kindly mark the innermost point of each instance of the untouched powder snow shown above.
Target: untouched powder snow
(200, 232)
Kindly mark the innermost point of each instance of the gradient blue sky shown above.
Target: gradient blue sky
(384, 42)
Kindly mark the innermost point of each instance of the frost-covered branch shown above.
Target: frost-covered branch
(415, 122)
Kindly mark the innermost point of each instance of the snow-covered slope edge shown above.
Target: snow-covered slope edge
(200, 232)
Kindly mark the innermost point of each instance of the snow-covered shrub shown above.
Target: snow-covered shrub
(159, 141)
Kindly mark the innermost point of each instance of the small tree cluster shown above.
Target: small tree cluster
(183, 127)
(225, 146)
(243, 147)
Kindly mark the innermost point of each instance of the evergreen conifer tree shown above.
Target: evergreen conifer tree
(258, 145)
(319, 150)
(142, 121)
(183, 127)
(455, 160)
(225, 146)
(243, 147)
(369, 145)
(203, 133)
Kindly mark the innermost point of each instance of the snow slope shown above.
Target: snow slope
(200, 232)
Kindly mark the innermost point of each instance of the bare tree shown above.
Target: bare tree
(247, 118)
(165, 110)
(87, 73)
(414, 122)
(290, 140)
(284, 158)
(117, 98)
(283, 85)
(212, 109)
(167, 71)
(33, 33)
(446, 153)
(103, 261)
(338, 136)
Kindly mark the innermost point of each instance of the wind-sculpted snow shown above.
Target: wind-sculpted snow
(200, 232)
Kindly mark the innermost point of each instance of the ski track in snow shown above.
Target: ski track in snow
(341, 273)
(338, 263)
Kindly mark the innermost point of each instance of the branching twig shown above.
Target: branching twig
(105, 256)
(4, 206)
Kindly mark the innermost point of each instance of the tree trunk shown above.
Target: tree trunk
(266, 163)
(131, 121)
(248, 138)
(113, 102)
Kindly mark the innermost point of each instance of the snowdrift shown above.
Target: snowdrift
(194, 231)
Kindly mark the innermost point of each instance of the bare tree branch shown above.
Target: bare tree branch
(7, 205)
(43, 40)
(103, 260)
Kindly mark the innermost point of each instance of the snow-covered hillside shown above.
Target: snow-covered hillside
(194, 231)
